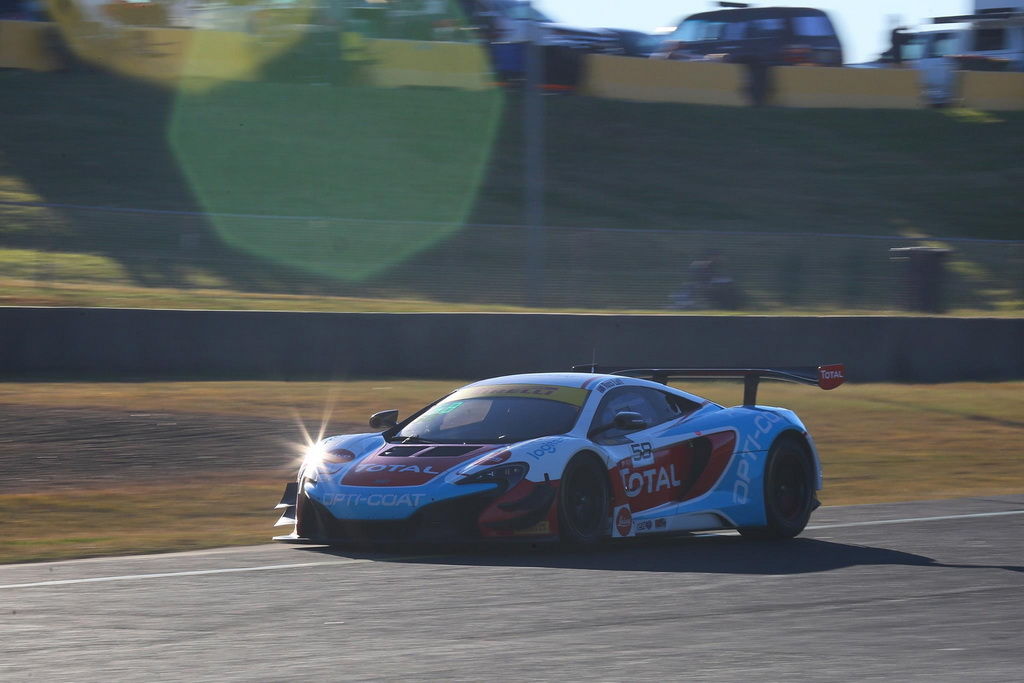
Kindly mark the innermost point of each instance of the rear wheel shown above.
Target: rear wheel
(788, 490)
(583, 501)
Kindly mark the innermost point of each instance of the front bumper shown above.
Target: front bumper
(473, 517)
(447, 520)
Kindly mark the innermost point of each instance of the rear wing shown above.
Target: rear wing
(824, 376)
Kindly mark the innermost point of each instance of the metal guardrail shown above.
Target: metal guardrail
(582, 268)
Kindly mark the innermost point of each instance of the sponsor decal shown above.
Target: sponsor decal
(570, 395)
(831, 376)
(660, 523)
(649, 480)
(375, 499)
(608, 384)
(445, 408)
(643, 454)
(753, 443)
(386, 470)
(541, 449)
(541, 527)
(378, 467)
(624, 521)
(643, 525)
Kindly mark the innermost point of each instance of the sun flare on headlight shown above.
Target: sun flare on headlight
(309, 449)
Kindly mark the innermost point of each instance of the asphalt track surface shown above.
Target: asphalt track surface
(930, 591)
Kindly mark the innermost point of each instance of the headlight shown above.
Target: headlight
(314, 456)
(506, 476)
(318, 456)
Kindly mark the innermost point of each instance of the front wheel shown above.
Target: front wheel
(788, 490)
(583, 502)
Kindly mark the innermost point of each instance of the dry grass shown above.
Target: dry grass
(878, 442)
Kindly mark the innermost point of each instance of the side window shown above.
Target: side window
(767, 28)
(735, 30)
(943, 44)
(655, 406)
(812, 26)
(914, 48)
(989, 39)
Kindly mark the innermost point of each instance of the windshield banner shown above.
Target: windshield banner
(570, 395)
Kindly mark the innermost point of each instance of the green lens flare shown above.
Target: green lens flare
(384, 173)
(298, 109)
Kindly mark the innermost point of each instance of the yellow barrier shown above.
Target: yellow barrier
(29, 45)
(992, 90)
(660, 80)
(817, 86)
(397, 63)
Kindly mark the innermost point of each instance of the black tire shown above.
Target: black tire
(789, 496)
(584, 500)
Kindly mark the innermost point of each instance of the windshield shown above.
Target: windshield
(497, 414)
(698, 30)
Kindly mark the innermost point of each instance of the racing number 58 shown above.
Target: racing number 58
(641, 450)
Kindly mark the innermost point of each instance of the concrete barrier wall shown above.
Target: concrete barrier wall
(993, 91)
(165, 54)
(662, 80)
(29, 45)
(131, 343)
(397, 63)
(815, 86)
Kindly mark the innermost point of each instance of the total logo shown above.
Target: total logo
(649, 481)
(377, 467)
(831, 376)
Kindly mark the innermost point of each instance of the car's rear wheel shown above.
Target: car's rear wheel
(584, 500)
(789, 498)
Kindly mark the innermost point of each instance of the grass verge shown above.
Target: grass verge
(379, 182)
(879, 442)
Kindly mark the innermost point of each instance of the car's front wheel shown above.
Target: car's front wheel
(584, 500)
(788, 490)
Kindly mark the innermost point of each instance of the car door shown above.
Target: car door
(651, 469)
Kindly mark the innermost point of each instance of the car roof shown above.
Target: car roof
(580, 380)
(755, 13)
(559, 379)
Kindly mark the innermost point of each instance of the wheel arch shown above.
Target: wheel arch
(595, 456)
(591, 458)
(807, 442)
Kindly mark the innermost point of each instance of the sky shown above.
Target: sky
(863, 25)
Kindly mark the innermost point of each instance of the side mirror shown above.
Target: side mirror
(385, 419)
(629, 421)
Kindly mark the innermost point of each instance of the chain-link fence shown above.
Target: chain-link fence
(554, 267)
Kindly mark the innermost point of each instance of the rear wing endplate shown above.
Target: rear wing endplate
(824, 376)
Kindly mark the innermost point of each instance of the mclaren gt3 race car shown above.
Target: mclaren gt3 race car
(575, 456)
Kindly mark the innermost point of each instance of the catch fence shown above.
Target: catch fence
(506, 265)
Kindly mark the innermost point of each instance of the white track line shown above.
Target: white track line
(273, 567)
(913, 519)
(195, 572)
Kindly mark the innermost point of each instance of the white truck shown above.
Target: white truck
(992, 38)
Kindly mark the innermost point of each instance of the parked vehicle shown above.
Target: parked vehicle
(991, 39)
(769, 36)
(510, 21)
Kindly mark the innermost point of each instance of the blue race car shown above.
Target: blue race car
(575, 456)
